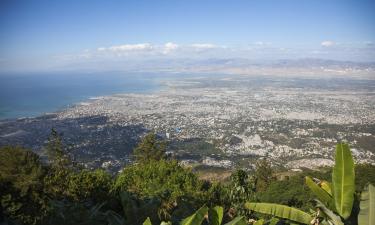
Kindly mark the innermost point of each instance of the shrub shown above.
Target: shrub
(89, 185)
(165, 180)
(150, 148)
(21, 185)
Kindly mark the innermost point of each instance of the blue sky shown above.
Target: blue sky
(45, 32)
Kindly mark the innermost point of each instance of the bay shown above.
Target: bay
(30, 95)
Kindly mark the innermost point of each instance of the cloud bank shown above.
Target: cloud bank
(327, 43)
(139, 54)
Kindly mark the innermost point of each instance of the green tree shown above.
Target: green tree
(21, 185)
(165, 181)
(150, 148)
(241, 190)
(291, 192)
(364, 174)
(61, 167)
(57, 154)
(89, 185)
(263, 175)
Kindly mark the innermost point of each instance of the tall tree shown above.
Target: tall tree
(56, 182)
(241, 190)
(150, 148)
(57, 155)
(263, 175)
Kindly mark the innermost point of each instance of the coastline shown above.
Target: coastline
(38, 101)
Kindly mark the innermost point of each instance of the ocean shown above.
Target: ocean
(30, 95)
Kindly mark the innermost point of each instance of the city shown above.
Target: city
(227, 122)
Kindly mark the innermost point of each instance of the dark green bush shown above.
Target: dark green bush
(21, 185)
(164, 180)
(89, 185)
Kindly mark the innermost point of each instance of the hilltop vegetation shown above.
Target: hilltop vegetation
(34, 190)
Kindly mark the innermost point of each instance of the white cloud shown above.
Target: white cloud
(262, 43)
(169, 47)
(127, 48)
(153, 50)
(255, 50)
(327, 43)
(203, 46)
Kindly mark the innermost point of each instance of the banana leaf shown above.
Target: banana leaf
(147, 221)
(281, 211)
(331, 216)
(366, 215)
(273, 221)
(239, 220)
(216, 215)
(197, 218)
(259, 222)
(166, 223)
(343, 180)
(325, 185)
(320, 193)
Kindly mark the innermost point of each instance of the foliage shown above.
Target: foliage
(165, 180)
(263, 175)
(281, 211)
(367, 214)
(216, 215)
(65, 213)
(239, 220)
(241, 190)
(290, 192)
(341, 196)
(147, 221)
(60, 167)
(212, 216)
(149, 148)
(21, 194)
(57, 154)
(333, 218)
(343, 181)
(364, 174)
(197, 218)
(135, 210)
(55, 185)
(158, 177)
(323, 194)
(160, 189)
(89, 185)
(218, 194)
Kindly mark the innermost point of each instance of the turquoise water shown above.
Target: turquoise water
(29, 95)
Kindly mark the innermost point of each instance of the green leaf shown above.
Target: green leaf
(216, 215)
(325, 185)
(239, 220)
(147, 221)
(273, 221)
(343, 180)
(320, 193)
(166, 223)
(259, 222)
(332, 217)
(281, 211)
(366, 215)
(196, 218)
